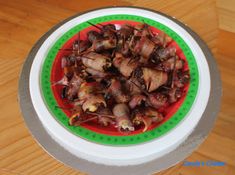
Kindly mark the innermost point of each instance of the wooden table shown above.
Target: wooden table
(23, 22)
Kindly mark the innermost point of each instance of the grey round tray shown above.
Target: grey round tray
(180, 153)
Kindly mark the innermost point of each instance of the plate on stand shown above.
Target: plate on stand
(97, 151)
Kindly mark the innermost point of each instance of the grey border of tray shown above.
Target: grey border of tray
(53, 148)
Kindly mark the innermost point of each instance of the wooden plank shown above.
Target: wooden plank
(226, 13)
(226, 41)
(226, 4)
(227, 20)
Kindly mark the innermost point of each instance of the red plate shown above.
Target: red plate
(57, 74)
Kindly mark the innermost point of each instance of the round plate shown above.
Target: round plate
(52, 72)
(145, 158)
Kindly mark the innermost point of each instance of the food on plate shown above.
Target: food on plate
(123, 76)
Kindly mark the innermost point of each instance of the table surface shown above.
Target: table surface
(21, 25)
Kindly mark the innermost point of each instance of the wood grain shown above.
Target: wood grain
(226, 13)
(21, 25)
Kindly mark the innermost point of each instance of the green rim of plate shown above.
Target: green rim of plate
(82, 132)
